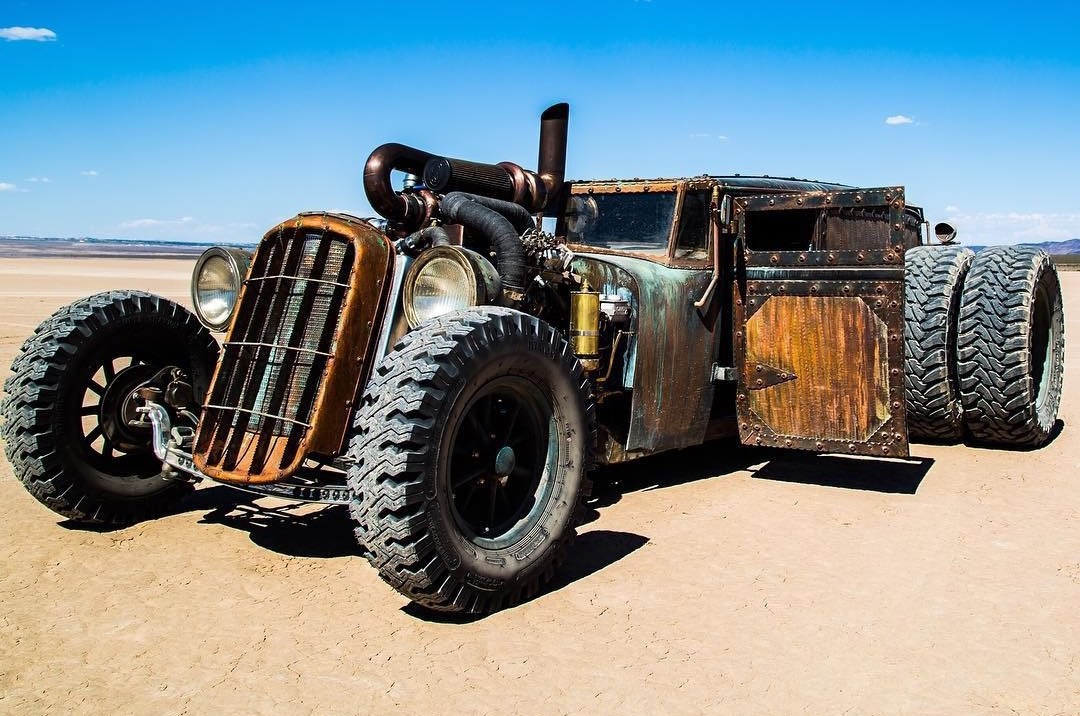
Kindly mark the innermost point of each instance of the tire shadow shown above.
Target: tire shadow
(218, 497)
(590, 553)
(1055, 431)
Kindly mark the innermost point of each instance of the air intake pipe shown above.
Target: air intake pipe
(408, 209)
(535, 191)
(508, 181)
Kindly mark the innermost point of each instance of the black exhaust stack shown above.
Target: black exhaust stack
(551, 164)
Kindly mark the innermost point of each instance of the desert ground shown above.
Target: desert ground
(718, 580)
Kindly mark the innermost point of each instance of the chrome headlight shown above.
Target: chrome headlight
(445, 279)
(215, 285)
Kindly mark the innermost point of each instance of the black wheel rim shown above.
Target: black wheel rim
(118, 455)
(503, 458)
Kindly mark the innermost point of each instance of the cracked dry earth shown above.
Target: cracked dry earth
(720, 580)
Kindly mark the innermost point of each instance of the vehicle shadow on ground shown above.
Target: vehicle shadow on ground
(293, 529)
(299, 530)
(724, 457)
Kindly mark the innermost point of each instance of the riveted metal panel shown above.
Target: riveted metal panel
(819, 333)
(821, 366)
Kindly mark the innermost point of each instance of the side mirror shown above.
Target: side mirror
(945, 233)
(725, 210)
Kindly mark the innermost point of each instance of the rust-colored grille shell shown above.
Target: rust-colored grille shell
(297, 349)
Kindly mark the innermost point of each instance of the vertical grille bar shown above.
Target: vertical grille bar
(324, 345)
(293, 338)
(259, 364)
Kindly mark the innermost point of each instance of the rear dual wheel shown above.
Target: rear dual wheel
(1011, 347)
(933, 281)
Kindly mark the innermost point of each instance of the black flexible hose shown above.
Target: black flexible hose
(516, 214)
(465, 209)
(431, 236)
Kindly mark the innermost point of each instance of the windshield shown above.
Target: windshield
(638, 222)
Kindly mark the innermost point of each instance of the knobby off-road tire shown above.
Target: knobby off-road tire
(66, 413)
(933, 279)
(1011, 347)
(471, 446)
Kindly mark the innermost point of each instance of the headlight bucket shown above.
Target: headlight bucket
(448, 278)
(215, 285)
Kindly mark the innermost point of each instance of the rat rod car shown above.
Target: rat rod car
(452, 371)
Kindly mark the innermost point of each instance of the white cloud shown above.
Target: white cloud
(34, 34)
(89, 172)
(39, 180)
(149, 223)
(6, 186)
(1013, 227)
(899, 119)
(708, 135)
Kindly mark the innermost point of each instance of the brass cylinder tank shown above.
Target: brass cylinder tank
(585, 326)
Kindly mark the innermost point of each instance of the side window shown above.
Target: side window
(692, 241)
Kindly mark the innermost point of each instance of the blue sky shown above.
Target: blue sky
(213, 121)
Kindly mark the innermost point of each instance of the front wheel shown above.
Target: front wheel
(470, 460)
(70, 420)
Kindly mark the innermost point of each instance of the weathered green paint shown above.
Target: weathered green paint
(672, 375)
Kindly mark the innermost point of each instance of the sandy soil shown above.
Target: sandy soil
(716, 580)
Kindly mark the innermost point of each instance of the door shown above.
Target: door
(819, 321)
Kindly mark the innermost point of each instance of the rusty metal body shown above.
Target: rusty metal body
(801, 349)
(819, 320)
(779, 321)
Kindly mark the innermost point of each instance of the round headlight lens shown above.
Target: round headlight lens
(215, 287)
(442, 285)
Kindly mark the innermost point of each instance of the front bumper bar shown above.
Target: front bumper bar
(171, 446)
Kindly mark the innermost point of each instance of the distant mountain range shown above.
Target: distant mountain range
(1068, 247)
(29, 246)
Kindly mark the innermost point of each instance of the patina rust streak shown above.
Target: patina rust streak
(837, 348)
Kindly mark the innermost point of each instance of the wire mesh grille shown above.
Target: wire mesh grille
(277, 353)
